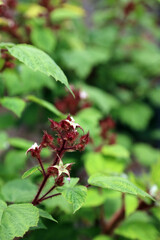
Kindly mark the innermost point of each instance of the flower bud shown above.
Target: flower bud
(59, 181)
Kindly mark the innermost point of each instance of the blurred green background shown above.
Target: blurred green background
(110, 53)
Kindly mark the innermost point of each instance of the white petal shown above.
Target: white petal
(33, 147)
(83, 95)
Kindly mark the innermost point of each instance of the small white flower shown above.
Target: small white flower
(83, 94)
(62, 168)
(33, 147)
(72, 123)
(153, 190)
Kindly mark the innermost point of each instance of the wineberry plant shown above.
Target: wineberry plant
(79, 147)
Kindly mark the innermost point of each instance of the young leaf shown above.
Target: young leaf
(16, 219)
(76, 196)
(30, 172)
(46, 215)
(37, 60)
(45, 104)
(117, 183)
(14, 104)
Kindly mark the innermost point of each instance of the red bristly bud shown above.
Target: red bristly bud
(59, 181)
(47, 140)
(53, 171)
(85, 139)
(54, 125)
(34, 150)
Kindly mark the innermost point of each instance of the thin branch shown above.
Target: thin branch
(119, 216)
(41, 164)
(35, 202)
(50, 190)
(116, 219)
(54, 195)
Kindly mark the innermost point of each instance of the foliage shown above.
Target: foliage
(99, 62)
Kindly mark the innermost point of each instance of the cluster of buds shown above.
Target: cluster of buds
(73, 105)
(107, 125)
(66, 138)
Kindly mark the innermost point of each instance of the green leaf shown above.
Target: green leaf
(37, 60)
(46, 215)
(30, 172)
(85, 59)
(33, 10)
(16, 219)
(126, 73)
(45, 104)
(14, 104)
(145, 154)
(95, 198)
(124, 140)
(19, 191)
(6, 45)
(43, 38)
(131, 113)
(97, 163)
(116, 151)
(67, 12)
(155, 173)
(154, 96)
(3, 141)
(14, 163)
(138, 226)
(131, 204)
(117, 183)
(74, 194)
(20, 143)
(58, 202)
(102, 237)
(3, 205)
(7, 120)
(104, 101)
(25, 80)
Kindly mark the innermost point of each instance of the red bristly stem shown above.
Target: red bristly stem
(118, 217)
(41, 164)
(59, 154)
(50, 190)
(54, 195)
(35, 200)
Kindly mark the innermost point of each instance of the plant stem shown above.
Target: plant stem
(40, 163)
(46, 176)
(59, 153)
(119, 216)
(50, 190)
(54, 195)
(35, 202)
